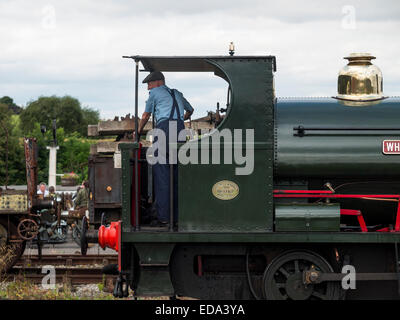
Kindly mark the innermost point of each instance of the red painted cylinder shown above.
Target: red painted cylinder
(109, 236)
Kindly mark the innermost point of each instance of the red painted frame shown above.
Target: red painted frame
(330, 195)
(358, 214)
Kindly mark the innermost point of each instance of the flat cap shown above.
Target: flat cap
(154, 76)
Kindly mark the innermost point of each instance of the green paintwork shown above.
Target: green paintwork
(347, 154)
(307, 217)
(154, 283)
(126, 155)
(154, 269)
(251, 107)
(260, 237)
(154, 255)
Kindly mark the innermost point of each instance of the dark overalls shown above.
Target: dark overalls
(162, 171)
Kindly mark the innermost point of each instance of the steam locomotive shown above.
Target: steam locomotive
(322, 201)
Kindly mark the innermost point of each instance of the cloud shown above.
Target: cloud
(76, 47)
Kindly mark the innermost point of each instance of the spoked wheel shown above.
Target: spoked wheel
(28, 229)
(283, 278)
(10, 252)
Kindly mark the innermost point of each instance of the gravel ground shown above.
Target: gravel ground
(87, 291)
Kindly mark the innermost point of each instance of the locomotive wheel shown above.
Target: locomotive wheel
(27, 229)
(283, 278)
(10, 252)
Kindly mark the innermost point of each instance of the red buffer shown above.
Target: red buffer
(109, 236)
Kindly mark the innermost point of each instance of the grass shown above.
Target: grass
(6, 256)
(26, 290)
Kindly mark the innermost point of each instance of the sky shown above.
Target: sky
(76, 47)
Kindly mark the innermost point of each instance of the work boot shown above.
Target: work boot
(159, 224)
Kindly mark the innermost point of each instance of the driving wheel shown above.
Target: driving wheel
(283, 278)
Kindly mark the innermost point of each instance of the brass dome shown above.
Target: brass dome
(360, 80)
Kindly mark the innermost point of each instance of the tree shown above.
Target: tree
(90, 116)
(72, 121)
(69, 116)
(6, 100)
(12, 160)
(66, 110)
(41, 111)
(73, 154)
(11, 105)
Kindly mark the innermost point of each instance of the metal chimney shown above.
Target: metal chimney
(360, 80)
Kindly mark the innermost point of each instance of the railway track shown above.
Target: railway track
(67, 260)
(69, 269)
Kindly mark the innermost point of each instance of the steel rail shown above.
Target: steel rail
(67, 259)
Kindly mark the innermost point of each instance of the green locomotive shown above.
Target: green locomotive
(321, 200)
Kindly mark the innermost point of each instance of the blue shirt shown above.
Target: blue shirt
(160, 103)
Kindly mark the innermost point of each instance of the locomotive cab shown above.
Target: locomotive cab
(218, 213)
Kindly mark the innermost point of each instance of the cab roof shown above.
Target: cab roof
(189, 63)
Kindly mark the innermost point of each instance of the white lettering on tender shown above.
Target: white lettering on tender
(391, 146)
